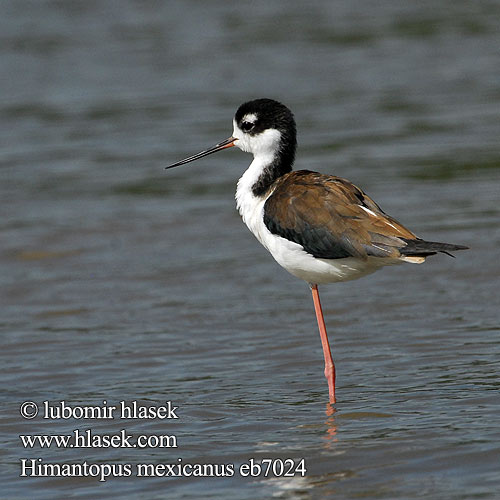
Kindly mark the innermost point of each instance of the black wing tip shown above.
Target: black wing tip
(422, 248)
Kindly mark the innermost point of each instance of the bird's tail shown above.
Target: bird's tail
(421, 248)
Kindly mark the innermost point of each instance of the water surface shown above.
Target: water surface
(123, 282)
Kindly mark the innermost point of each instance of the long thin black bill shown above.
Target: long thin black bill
(218, 147)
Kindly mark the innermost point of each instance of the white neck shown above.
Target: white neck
(249, 205)
(244, 195)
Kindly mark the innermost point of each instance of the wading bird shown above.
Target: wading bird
(320, 228)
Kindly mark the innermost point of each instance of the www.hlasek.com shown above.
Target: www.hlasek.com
(84, 439)
(87, 439)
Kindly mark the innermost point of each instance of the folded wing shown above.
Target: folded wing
(331, 218)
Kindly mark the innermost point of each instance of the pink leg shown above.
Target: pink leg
(329, 366)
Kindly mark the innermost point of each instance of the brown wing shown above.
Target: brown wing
(332, 218)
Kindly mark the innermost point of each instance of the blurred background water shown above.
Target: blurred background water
(120, 281)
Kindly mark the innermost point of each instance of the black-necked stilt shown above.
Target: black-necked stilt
(320, 228)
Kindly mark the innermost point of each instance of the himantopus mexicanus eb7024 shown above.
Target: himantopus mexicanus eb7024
(320, 228)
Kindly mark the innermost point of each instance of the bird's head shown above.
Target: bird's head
(263, 127)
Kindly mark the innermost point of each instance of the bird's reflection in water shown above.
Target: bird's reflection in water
(331, 426)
